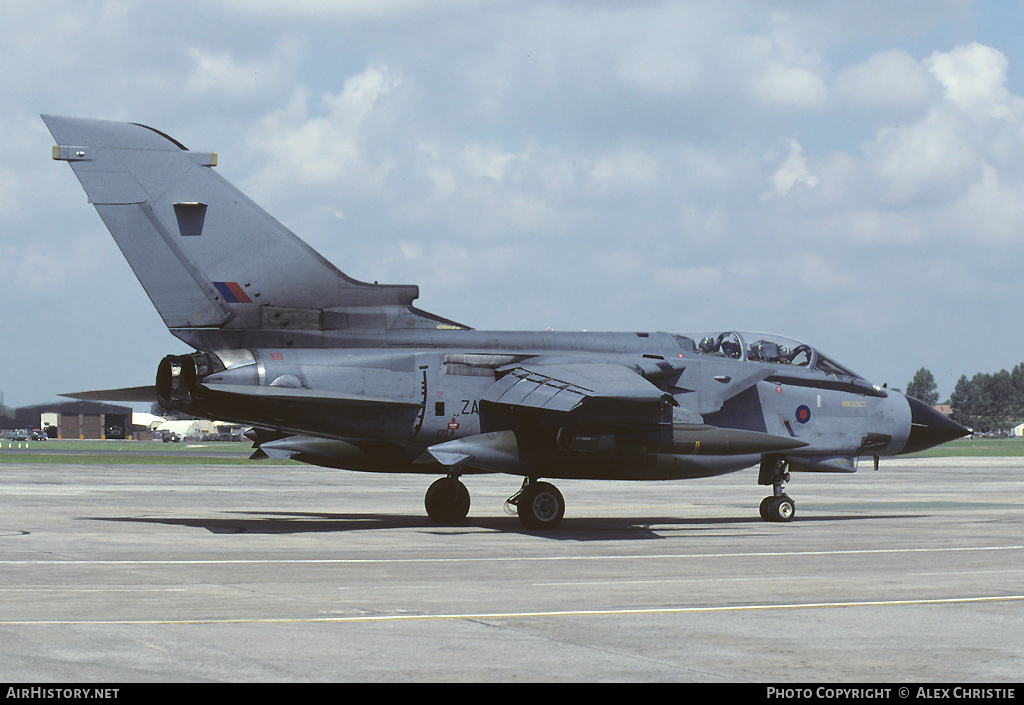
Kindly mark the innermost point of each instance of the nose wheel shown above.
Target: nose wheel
(778, 506)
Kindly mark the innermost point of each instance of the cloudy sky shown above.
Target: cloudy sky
(846, 173)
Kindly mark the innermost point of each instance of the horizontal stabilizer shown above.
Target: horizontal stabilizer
(126, 394)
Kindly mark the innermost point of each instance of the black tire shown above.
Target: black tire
(540, 506)
(447, 501)
(782, 509)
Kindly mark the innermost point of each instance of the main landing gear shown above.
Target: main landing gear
(778, 506)
(539, 504)
(447, 500)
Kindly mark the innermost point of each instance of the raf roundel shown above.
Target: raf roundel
(803, 413)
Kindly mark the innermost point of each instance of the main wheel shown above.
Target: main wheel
(540, 506)
(447, 501)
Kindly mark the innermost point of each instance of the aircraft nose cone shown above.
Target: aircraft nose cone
(929, 428)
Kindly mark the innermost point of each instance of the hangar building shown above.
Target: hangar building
(76, 419)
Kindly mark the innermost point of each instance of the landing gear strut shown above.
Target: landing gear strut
(447, 500)
(778, 506)
(539, 504)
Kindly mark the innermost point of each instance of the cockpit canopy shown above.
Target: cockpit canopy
(768, 347)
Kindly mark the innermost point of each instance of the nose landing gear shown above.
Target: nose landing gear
(778, 506)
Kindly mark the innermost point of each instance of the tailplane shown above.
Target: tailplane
(220, 270)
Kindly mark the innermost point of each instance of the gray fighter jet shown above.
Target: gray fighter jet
(345, 374)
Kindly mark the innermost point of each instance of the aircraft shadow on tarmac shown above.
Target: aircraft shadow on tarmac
(578, 529)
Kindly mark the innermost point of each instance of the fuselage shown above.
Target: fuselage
(440, 381)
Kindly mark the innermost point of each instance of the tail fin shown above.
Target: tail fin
(219, 269)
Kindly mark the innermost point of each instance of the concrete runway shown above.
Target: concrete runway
(279, 573)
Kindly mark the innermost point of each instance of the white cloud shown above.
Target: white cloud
(974, 126)
(891, 82)
(791, 86)
(989, 212)
(308, 149)
(487, 161)
(624, 169)
(220, 74)
(411, 250)
(793, 171)
(973, 77)
(930, 161)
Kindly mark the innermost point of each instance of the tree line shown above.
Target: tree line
(985, 402)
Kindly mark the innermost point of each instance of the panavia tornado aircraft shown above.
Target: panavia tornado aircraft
(344, 374)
